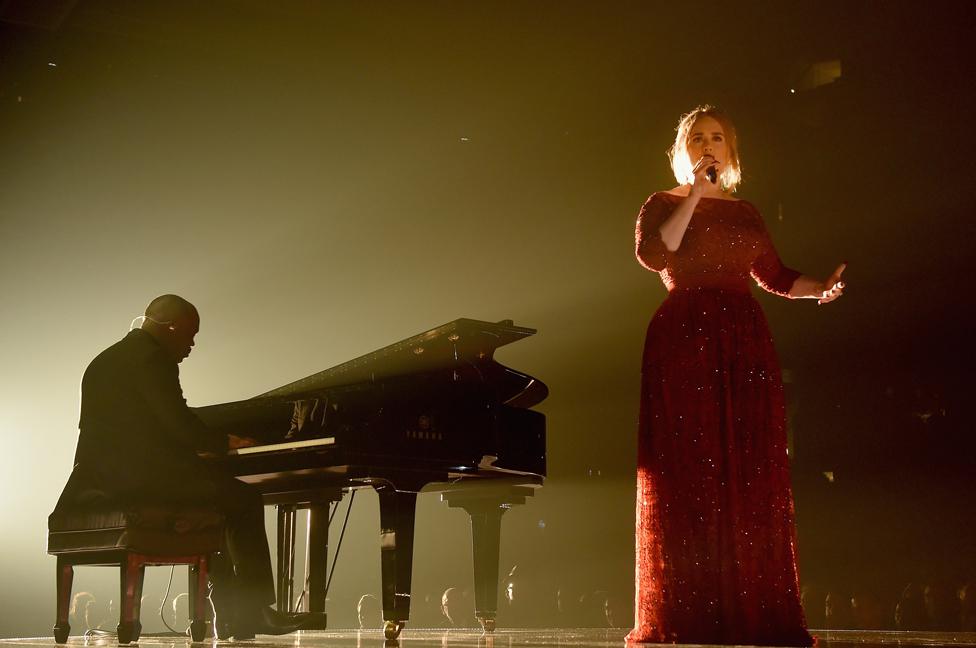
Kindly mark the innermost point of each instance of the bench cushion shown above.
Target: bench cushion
(149, 529)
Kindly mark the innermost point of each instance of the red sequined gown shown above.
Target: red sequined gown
(716, 556)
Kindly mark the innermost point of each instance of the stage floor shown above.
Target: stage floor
(535, 638)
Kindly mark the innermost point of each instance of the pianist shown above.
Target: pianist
(140, 443)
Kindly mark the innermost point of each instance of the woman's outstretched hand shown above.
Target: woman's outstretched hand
(832, 287)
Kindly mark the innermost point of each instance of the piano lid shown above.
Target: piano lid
(463, 341)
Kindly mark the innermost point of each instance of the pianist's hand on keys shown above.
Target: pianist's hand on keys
(234, 442)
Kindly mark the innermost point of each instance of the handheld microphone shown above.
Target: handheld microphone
(711, 174)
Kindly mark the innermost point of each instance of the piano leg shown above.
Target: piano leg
(286, 556)
(317, 557)
(486, 530)
(397, 511)
(486, 504)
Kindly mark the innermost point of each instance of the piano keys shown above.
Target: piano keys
(432, 410)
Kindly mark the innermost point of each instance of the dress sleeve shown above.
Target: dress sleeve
(767, 269)
(650, 249)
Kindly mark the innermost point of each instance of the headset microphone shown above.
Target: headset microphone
(132, 324)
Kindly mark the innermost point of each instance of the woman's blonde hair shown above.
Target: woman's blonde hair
(681, 164)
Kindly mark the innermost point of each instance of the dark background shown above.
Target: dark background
(323, 179)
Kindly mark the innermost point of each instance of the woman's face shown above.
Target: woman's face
(707, 138)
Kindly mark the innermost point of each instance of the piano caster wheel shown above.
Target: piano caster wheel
(392, 629)
(488, 625)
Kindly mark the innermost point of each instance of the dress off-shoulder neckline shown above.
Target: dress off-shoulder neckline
(674, 195)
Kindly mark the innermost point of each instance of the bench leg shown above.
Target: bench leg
(66, 573)
(133, 570)
(198, 598)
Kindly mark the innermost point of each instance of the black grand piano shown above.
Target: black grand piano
(433, 410)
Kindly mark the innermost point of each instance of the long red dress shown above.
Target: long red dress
(716, 559)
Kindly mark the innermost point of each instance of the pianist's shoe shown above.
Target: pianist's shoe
(267, 621)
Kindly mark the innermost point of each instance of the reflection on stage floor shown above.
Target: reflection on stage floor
(471, 638)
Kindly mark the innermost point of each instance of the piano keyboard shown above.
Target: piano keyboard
(276, 447)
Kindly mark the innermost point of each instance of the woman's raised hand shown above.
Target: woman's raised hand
(833, 287)
(702, 183)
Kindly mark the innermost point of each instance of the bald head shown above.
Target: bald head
(169, 308)
(174, 322)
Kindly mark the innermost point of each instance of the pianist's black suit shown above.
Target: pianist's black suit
(138, 443)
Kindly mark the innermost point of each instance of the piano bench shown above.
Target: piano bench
(131, 538)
